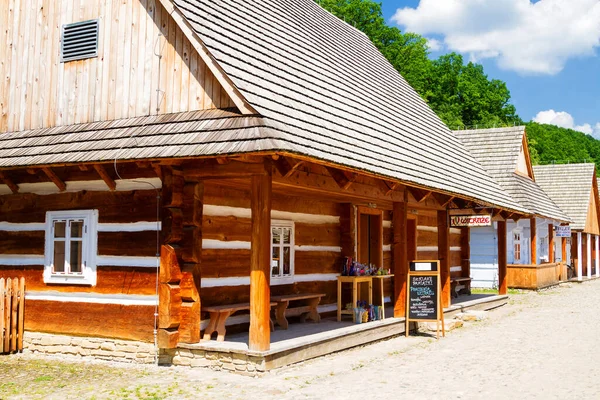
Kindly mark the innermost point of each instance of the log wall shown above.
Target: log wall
(120, 305)
(38, 90)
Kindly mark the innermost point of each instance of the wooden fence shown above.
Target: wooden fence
(12, 307)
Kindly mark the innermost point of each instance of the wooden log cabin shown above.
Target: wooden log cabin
(532, 252)
(574, 187)
(152, 150)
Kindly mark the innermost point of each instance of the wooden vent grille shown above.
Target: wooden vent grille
(79, 40)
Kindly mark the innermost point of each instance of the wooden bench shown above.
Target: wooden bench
(282, 311)
(459, 284)
(219, 315)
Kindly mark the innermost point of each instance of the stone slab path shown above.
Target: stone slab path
(542, 345)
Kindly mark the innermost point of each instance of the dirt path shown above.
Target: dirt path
(543, 345)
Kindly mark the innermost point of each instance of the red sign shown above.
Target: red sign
(470, 220)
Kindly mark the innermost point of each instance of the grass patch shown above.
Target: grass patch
(43, 378)
(494, 291)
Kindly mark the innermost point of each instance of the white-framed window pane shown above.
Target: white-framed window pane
(276, 232)
(275, 261)
(59, 257)
(76, 229)
(286, 260)
(287, 233)
(76, 259)
(60, 229)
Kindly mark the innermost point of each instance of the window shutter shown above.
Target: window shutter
(79, 40)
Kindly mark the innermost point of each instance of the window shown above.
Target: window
(282, 251)
(79, 40)
(71, 243)
(517, 246)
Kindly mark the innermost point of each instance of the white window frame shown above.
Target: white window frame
(88, 252)
(286, 279)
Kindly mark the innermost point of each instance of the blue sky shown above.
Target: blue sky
(546, 51)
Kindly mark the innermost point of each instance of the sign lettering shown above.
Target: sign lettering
(470, 220)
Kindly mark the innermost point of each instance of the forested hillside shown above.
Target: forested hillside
(549, 143)
(460, 93)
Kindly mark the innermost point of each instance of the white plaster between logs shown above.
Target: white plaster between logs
(44, 188)
(96, 298)
(21, 259)
(239, 212)
(127, 261)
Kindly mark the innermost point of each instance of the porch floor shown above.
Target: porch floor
(303, 341)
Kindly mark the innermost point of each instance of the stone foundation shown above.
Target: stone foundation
(100, 348)
(216, 360)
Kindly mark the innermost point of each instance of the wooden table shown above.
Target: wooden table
(305, 311)
(379, 279)
(354, 280)
(218, 316)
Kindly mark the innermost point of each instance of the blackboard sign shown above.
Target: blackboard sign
(423, 297)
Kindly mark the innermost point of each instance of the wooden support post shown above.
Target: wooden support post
(588, 242)
(550, 243)
(260, 262)
(169, 289)
(579, 257)
(502, 282)
(533, 239)
(444, 255)
(348, 230)
(597, 258)
(191, 272)
(465, 252)
(563, 250)
(400, 256)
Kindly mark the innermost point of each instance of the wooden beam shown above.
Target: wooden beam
(55, 179)
(400, 256)
(260, 261)
(443, 199)
(143, 164)
(444, 255)
(502, 256)
(533, 240)
(110, 182)
(419, 194)
(157, 170)
(31, 171)
(234, 169)
(340, 177)
(391, 186)
(8, 182)
(223, 160)
(83, 167)
(283, 166)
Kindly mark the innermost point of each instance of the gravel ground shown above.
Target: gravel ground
(542, 345)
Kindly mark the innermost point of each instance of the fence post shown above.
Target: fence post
(21, 327)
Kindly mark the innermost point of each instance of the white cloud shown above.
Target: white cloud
(527, 37)
(434, 44)
(565, 120)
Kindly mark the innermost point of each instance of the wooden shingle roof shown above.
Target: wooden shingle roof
(498, 151)
(173, 135)
(570, 186)
(333, 96)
